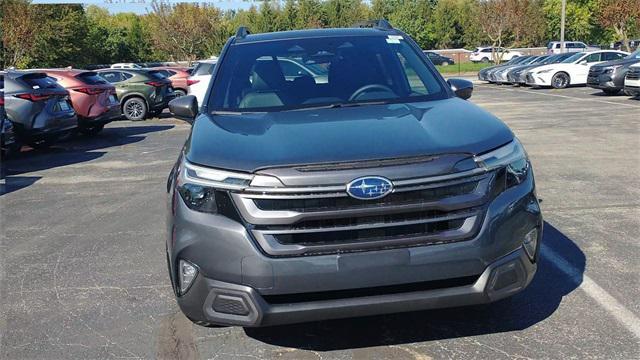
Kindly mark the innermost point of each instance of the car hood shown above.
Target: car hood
(617, 62)
(250, 142)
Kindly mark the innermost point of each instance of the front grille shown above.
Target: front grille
(295, 222)
(370, 234)
(371, 291)
(398, 198)
(633, 74)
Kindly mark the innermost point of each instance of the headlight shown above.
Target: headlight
(544, 71)
(512, 157)
(611, 69)
(197, 185)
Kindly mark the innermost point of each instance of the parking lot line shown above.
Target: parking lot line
(594, 291)
(561, 96)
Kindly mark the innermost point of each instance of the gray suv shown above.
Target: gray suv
(377, 190)
(38, 107)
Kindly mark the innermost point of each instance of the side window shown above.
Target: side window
(581, 45)
(125, 76)
(557, 46)
(292, 70)
(415, 83)
(570, 45)
(111, 76)
(170, 73)
(488, 50)
(611, 56)
(593, 58)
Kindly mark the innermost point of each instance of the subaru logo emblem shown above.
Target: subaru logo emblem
(369, 188)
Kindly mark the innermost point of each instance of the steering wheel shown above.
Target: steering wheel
(369, 87)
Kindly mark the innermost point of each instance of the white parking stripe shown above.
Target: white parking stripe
(594, 291)
(562, 96)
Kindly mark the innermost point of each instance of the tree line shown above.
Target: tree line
(39, 35)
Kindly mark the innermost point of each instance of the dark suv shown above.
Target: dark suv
(38, 107)
(378, 189)
(141, 92)
(8, 142)
(609, 76)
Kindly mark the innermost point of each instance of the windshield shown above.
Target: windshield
(312, 72)
(573, 58)
(634, 55)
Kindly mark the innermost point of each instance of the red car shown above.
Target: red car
(93, 98)
(179, 77)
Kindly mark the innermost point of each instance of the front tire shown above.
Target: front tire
(135, 109)
(445, 64)
(91, 130)
(611, 92)
(560, 80)
(179, 92)
(485, 60)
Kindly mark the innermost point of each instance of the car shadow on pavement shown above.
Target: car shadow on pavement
(73, 151)
(536, 303)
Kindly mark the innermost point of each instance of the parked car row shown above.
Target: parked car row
(42, 106)
(601, 69)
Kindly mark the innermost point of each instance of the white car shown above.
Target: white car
(572, 71)
(200, 78)
(126, 66)
(485, 54)
(555, 47)
(632, 80)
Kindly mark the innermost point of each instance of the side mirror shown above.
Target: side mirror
(184, 108)
(582, 62)
(462, 88)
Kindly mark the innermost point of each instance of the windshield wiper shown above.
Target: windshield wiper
(339, 105)
(225, 112)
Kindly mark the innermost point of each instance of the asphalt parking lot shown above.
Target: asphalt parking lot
(84, 273)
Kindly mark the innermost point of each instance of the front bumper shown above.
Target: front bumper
(111, 113)
(604, 82)
(537, 79)
(232, 304)
(232, 265)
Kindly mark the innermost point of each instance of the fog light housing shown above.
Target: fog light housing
(530, 243)
(187, 272)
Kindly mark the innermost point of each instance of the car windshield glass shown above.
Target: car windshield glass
(91, 78)
(333, 71)
(573, 58)
(634, 55)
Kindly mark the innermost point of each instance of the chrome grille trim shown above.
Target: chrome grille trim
(256, 216)
(271, 245)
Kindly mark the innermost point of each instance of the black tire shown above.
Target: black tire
(155, 113)
(135, 109)
(41, 144)
(485, 60)
(445, 63)
(179, 92)
(611, 92)
(560, 80)
(91, 130)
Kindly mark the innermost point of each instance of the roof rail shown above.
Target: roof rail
(380, 24)
(242, 32)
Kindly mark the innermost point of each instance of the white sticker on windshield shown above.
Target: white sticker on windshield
(394, 39)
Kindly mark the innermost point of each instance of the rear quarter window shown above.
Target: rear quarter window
(39, 81)
(91, 78)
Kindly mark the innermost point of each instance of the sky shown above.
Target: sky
(141, 6)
